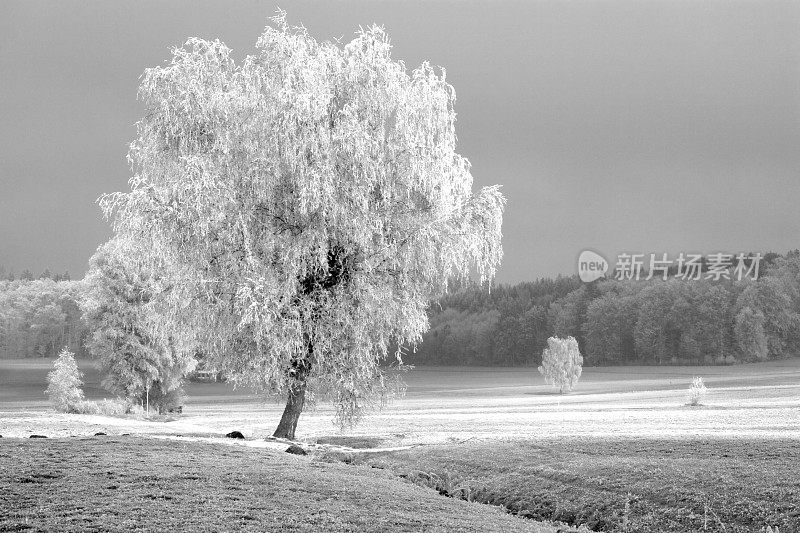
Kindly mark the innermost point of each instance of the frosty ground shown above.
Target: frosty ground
(621, 452)
(451, 404)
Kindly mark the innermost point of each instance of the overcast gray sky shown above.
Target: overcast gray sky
(612, 125)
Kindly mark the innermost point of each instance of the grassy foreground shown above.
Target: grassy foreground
(622, 485)
(141, 484)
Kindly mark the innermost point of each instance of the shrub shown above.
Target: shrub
(697, 391)
(561, 363)
(84, 407)
(115, 407)
(64, 383)
(163, 401)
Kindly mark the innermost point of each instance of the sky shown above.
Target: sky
(616, 126)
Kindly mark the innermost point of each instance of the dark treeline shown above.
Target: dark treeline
(40, 317)
(622, 322)
(615, 322)
(27, 275)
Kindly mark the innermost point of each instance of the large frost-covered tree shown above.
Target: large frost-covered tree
(310, 203)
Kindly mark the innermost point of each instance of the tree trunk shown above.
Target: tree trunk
(291, 414)
(297, 397)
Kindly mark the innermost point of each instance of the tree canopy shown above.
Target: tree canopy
(120, 299)
(561, 363)
(306, 205)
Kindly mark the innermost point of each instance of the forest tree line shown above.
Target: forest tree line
(622, 322)
(614, 322)
(39, 317)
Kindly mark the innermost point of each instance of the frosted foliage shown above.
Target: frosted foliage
(697, 391)
(310, 202)
(64, 382)
(561, 363)
(121, 306)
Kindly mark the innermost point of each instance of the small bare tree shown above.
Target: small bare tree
(561, 363)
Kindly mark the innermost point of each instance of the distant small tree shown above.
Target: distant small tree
(697, 391)
(561, 363)
(64, 383)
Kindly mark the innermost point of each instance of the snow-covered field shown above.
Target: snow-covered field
(456, 404)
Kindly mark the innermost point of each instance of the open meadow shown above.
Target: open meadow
(444, 404)
(622, 452)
